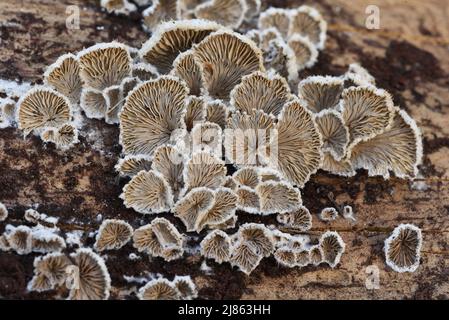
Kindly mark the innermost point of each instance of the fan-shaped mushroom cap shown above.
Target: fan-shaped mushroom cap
(319, 93)
(398, 148)
(93, 103)
(253, 9)
(255, 35)
(248, 200)
(114, 101)
(247, 177)
(261, 92)
(63, 137)
(113, 234)
(334, 133)
(148, 193)
(332, 247)
(3, 212)
(160, 289)
(118, 6)
(308, 22)
(267, 36)
(230, 183)
(328, 214)
(172, 38)
(229, 13)
(342, 168)
(267, 174)
(194, 206)
(228, 224)
(49, 272)
(91, 280)
(160, 11)
(217, 246)
(300, 219)
(403, 248)
(169, 161)
(225, 57)
(315, 255)
(204, 170)
(245, 257)
(278, 197)
(305, 52)
(298, 144)
(223, 208)
(188, 70)
(367, 111)
(186, 287)
(247, 141)
(44, 240)
(286, 257)
(258, 237)
(195, 111)
(275, 18)
(302, 258)
(104, 65)
(4, 244)
(280, 58)
(207, 136)
(217, 112)
(144, 71)
(19, 239)
(64, 77)
(159, 239)
(359, 76)
(132, 165)
(42, 107)
(152, 114)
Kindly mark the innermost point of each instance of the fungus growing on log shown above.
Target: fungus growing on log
(113, 234)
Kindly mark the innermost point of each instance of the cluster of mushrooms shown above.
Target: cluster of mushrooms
(214, 124)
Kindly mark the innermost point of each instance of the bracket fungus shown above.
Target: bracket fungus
(217, 245)
(258, 237)
(275, 18)
(224, 58)
(152, 115)
(328, 214)
(195, 111)
(245, 258)
(159, 289)
(113, 234)
(334, 133)
(207, 137)
(64, 137)
(300, 219)
(320, 93)
(306, 54)
(403, 248)
(104, 65)
(130, 166)
(308, 22)
(332, 247)
(398, 148)
(90, 279)
(159, 239)
(44, 240)
(113, 97)
(302, 258)
(358, 76)
(3, 212)
(316, 255)
(172, 38)
(186, 68)
(43, 107)
(229, 13)
(280, 58)
(19, 239)
(248, 177)
(286, 257)
(186, 287)
(144, 71)
(93, 103)
(248, 200)
(64, 77)
(217, 112)
(159, 11)
(118, 6)
(49, 272)
(261, 92)
(194, 206)
(277, 197)
(253, 8)
(148, 193)
(299, 144)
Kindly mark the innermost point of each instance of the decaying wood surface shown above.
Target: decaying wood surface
(408, 56)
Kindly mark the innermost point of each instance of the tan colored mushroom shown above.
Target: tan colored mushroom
(49, 272)
(217, 112)
(320, 93)
(90, 278)
(261, 92)
(302, 257)
(342, 168)
(328, 214)
(281, 59)
(332, 247)
(308, 22)
(258, 237)
(286, 257)
(113, 234)
(217, 246)
(148, 193)
(358, 76)
(160, 11)
(186, 287)
(253, 9)
(403, 248)
(114, 99)
(153, 115)
(144, 71)
(305, 51)
(228, 224)
(278, 197)
(230, 183)
(398, 148)
(299, 144)
(275, 18)
(315, 255)
(64, 77)
(93, 103)
(104, 65)
(229, 13)
(132, 165)
(159, 289)
(207, 137)
(188, 70)
(42, 107)
(195, 112)
(118, 6)
(172, 38)
(44, 240)
(64, 137)
(334, 133)
(248, 177)
(268, 174)
(224, 58)
(194, 206)
(245, 258)
(300, 219)
(4, 244)
(169, 161)
(19, 239)
(248, 200)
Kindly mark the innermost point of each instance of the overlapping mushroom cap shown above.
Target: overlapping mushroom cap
(113, 234)
(160, 11)
(229, 13)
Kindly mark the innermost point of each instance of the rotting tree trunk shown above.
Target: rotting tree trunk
(408, 57)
